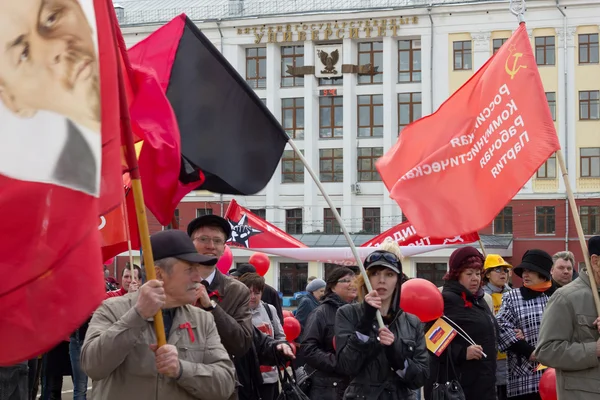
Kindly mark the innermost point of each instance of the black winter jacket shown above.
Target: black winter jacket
(262, 352)
(472, 314)
(328, 383)
(374, 378)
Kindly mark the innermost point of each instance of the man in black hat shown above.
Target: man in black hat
(569, 336)
(521, 311)
(224, 297)
(120, 352)
(269, 296)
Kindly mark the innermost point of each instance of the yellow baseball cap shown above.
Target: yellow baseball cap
(495, 260)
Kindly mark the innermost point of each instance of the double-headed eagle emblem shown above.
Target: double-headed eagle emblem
(329, 61)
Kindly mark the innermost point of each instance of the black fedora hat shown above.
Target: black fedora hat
(535, 260)
(210, 220)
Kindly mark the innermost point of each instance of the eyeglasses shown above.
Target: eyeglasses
(500, 269)
(378, 255)
(207, 240)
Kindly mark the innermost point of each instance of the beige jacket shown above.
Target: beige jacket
(567, 341)
(117, 357)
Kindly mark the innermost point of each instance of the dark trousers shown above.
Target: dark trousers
(530, 396)
(269, 391)
(13, 382)
(501, 392)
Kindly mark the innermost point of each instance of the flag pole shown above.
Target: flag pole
(128, 234)
(134, 172)
(519, 10)
(340, 222)
(482, 248)
(579, 228)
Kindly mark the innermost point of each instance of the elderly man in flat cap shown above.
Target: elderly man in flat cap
(569, 335)
(120, 352)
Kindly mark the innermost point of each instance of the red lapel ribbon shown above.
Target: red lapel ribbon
(215, 293)
(188, 326)
(468, 304)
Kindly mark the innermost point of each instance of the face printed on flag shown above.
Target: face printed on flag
(50, 93)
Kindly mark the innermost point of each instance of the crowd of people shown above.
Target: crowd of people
(225, 339)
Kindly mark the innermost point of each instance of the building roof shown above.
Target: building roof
(323, 240)
(141, 12)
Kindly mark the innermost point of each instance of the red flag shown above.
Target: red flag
(153, 121)
(250, 231)
(480, 147)
(405, 234)
(60, 152)
(113, 230)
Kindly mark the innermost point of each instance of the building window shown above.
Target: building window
(462, 55)
(176, 218)
(366, 163)
(335, 81)
(545, 50)
(256, 67)
(372, 220)
(433, 272)
(545, 218)
(590, 219)
(200, 212)
(409, 60)
(292, 111)
(589, 105)
(409, 109)
(291, 56)
(259, 212)
(548, 169)
(292, 168)
(330, 224)
(588, 49)
(590, 162)
(370, 115)
(292, 278)
(330, 165)
(331, 117)
(293, 221)
(503, 223)
(371, 53)
(497, 43)
(551, 98)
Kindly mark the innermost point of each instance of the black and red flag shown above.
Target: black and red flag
(228, 136)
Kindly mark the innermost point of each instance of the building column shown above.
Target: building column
(571, 98)
(426, 75)
(311, 143)
(274, 104)
(349, 56)
(389, 207)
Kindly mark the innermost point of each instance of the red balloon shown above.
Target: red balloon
(548, 385)
(224, 263)
(422, 298)
(291, 328)
(261, 262)
(293, 346)
(287, 313)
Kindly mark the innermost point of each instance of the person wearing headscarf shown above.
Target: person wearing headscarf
(519, 318)
(472, 365)
(387, 363)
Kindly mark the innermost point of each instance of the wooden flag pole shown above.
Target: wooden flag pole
(482, 248)
(340, 222)
(134, 172)
(579, 228)
(128, 234)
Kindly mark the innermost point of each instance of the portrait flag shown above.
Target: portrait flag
(227, 134)
(405, 234)
(50, 258)
(453, 171)
(250, 231)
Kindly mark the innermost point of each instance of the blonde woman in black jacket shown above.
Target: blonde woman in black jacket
(385, 363)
